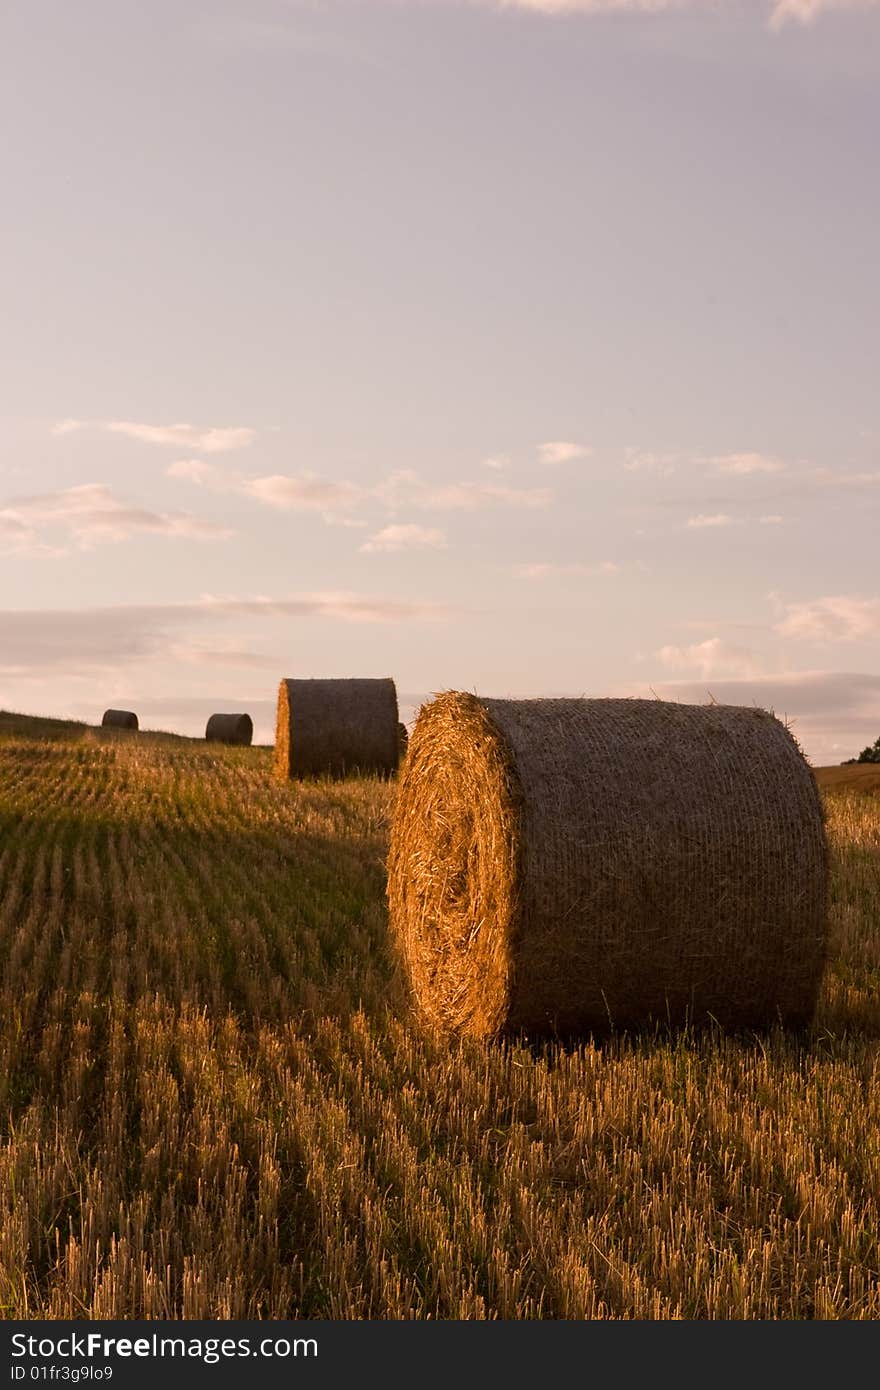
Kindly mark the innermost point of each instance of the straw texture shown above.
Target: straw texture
(336, 728)
(565, 866)
(402, 741)
(229, 728)
(119, 719)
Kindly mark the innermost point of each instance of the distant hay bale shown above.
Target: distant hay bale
(402, 741)
(229, 728)
(119, 719)
(336, 727)
(564, 866)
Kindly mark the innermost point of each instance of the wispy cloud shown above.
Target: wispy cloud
(744, 464)
(77, 641)
(779, 12)
(92, 515)
(806, 11)
(636, 460)
(545, 569)
(392, 538)
(498, 462)
(211, 440)
(562, 451)
(335, 499)
(700, 522)
(713, 657)
(836, 618)
(303, 492)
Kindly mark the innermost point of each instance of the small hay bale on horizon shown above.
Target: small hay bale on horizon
(562, 867)
(230, 728)
(119, 719)
(336, 728)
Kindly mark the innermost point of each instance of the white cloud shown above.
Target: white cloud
(772, 519)
(498, 462)
(212, 440)
(837, 618)
(696, 523)
(305, 492)
(744, 464)
(393, 538)
(562, 451)
(92, 514)
(197, 471)
(714, 657)
(542, 569)
(806, 11)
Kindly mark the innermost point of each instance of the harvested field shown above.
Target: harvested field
(211, 1104)
(855, 777)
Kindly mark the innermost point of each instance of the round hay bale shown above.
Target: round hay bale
(119, 719)
(230, 728)
(336, 727)
(569, 866)
(402, 741)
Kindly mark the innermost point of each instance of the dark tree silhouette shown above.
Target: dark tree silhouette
(867, 755)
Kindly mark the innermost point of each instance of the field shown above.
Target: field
(213, 1104)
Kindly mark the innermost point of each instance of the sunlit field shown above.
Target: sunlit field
(213, 1102)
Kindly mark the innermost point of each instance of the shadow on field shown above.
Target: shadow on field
(270, 923)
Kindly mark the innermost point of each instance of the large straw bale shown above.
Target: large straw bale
(336, 727)
(402, 741)
(565, 866)
(119, 719)
(229, 728)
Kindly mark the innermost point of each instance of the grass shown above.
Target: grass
(212, 1103)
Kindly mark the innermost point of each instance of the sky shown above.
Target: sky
(528, 348)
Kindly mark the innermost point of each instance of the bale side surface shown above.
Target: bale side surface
(336, 728)
(119, 719)
(572, 865)
(229, 728)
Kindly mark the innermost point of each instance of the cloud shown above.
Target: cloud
(714, 657)
(497, 462)
(212, 440)
(92, 514)
(197, 471)
(75, 642)
(744, 464)
(697, 523)
(405, 489)
(781, 12)
(393, 538)
(838, 618)
(561, 451)
(855, 482)
(401, 490)
(305, 492)
(806, 11)
(773, 519)
(542, 569)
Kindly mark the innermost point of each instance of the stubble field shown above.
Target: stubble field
(213, 1103)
